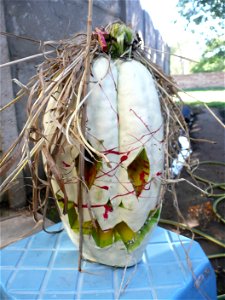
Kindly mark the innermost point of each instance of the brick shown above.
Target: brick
(201, 80)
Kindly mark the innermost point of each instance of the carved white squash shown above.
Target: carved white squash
(124, 122)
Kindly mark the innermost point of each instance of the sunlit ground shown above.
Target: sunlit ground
(206, 96)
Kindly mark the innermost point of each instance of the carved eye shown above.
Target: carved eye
(139, 171)
(92, 166)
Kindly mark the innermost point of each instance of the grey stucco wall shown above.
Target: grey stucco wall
(58, 19)
(49, 20)
(8, 125)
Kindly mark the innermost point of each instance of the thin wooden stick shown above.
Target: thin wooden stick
(25, 59)
(26, 38)
(83, 124)
(214, 115)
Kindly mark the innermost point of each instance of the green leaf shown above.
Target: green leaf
(122, 38)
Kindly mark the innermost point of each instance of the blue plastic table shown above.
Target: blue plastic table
(44, 266)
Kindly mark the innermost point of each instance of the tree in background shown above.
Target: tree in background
(212, 58)
(211, 15)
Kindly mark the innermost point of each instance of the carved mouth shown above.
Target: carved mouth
(121, 232)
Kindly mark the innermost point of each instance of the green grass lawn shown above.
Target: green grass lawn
(213, 97)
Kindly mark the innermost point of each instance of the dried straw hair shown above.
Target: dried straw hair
(64, 72)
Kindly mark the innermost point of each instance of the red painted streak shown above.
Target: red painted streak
(146, 164)
(107, 210)
(104, 187)
(146, 126)
(110, 172)
(142, 176)
(107, 207)
(125, 194)
(158, 173)
(111, 151)
(123, 158)
(136, 115)
(65, 164)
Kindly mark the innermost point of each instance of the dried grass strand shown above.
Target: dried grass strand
(10, 63)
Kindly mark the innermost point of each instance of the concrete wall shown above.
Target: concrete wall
(58, 19)
(8, 124)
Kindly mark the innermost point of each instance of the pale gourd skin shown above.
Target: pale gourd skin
(123, 118)
(120, 119)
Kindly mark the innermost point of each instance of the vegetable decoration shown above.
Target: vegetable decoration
(121, 129)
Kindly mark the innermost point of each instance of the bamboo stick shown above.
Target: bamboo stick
(83, 124)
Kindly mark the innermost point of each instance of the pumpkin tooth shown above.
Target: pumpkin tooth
(125, 232)
(102, 238)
